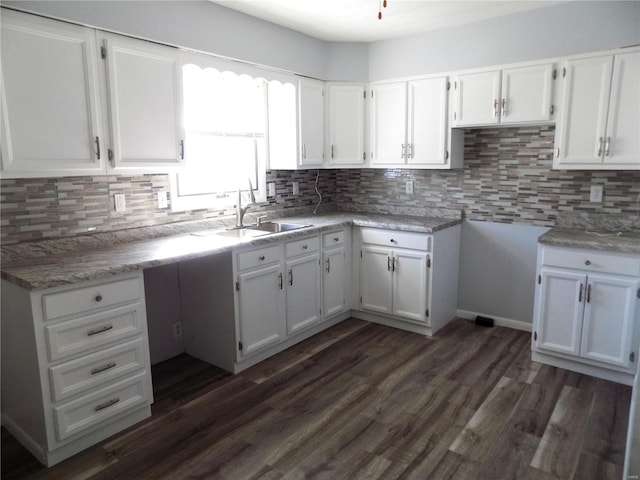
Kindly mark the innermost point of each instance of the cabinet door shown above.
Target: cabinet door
(427, 122)
(609, 316)
(346, 125)
(334, 291)
(375, 279)
(261, 309)
(303, 292)
(145, 105)
(311, 117)
(581, 127)
(526, 94)
(561, 304)
(622, 142)
(410, 284)
(49, 99)
(477, 99)
(388, 124)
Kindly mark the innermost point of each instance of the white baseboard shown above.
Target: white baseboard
(499, 321)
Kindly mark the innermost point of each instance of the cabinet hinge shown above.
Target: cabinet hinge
(428, 263)
(632, 357)
(239, 345)
(539, 279)
(446, 154)
(103, 52)
(554, 74)
(564, 72)
(552, 109)
(535, 336)
(110, 154)
(426, 312)
(237, 286)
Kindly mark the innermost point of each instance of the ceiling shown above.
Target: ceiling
(357, 20)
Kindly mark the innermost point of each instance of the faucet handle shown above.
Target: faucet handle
(259, 219)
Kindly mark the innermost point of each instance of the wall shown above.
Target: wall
(205, 26)
(566, 29)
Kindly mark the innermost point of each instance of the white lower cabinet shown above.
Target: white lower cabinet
(80, 372)
(302, 288)
(335, 270)
(586, 311)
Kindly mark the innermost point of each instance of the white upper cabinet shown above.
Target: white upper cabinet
(311, 122)
(510, 96)
(346, 125)
(49, 99)
(600, 118)
(145, 105)
(409, 125)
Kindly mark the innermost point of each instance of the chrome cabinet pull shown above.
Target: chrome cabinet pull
(589, 293)
(331, 150)
(388, 264)
(504, 107)
(393, 265)
(98, 148)
(607, 144)
(328, 262)
(304, 151)
(104, 405)
(304, 247)
(108, 366)
(587, 262)
(261, 258)
(580, 293)
(98, 298)
(291, 277)
(280, 280)
(336, 239)
(495, 107)
(181, 149)
(99, 330)
(600, 146)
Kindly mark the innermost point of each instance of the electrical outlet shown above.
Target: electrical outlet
(271, 189)
(177, 329)
(409, 187)
(120, 203)
(162, 199)
(596, 194)
(296, 188)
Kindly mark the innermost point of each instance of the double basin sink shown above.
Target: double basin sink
(251, 231)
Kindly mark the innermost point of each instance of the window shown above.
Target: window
(225, 121)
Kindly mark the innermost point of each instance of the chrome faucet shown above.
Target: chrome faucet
(240, 211)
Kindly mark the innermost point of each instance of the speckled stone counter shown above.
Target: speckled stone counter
(624, 242)
(40, 265)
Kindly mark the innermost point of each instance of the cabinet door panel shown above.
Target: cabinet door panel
(410, 284)
(608, 319)
(311, 104)
(49, 98)
(145, 103)
(388, 124)
(478, 98)
(303, 293)
(622, 144)
(427, 121)
(346, 125)
(260, 312)
(526, 94)
(334, 266)
(376, 279)
(581, 127)
(559, 319)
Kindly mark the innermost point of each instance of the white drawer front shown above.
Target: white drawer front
(82, 334)
(394, 238)
(85, 412)
(259, 257)
(82, 300)
(333, 239)
(591, 260)
(301, 247)
(91, 371)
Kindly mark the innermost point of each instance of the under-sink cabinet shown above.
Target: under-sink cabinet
(586, 311)
(409, 279)
(75, 364)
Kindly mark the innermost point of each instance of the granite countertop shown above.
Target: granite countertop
(40, 265)
(622, 241)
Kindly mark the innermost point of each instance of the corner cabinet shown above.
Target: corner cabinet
(510, 96)
(409, 126)
(80, 372)
(600, 118)
(409, 280)
(586, 313)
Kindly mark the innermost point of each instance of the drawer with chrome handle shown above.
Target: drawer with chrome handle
(301, 247)
(332, 239)
(87, 411)
(396, 239)
(593, 261)
(259, 257)
(83, 334)
(90, 371)
(79, 301)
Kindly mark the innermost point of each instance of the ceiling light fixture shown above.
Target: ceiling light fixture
(384, 5)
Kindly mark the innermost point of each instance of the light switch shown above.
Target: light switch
(271, 189)
(409, 187)
(296, 188)
(162, 199)
(596, 194)
(120, 203)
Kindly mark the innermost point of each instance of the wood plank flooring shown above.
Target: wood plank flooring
(364, 401)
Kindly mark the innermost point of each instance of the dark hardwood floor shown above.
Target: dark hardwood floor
(364, 401)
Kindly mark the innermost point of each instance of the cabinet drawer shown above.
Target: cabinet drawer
(394, 238)
(333, 239)
(81, 300)
(300, 247)
(259, 257)
(91, 371)
(591, 261)
(81, 414)
(82, 334)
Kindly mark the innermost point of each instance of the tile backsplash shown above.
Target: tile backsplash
(507, 177)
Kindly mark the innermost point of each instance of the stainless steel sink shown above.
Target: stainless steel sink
(237, 233)
(277, 227)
